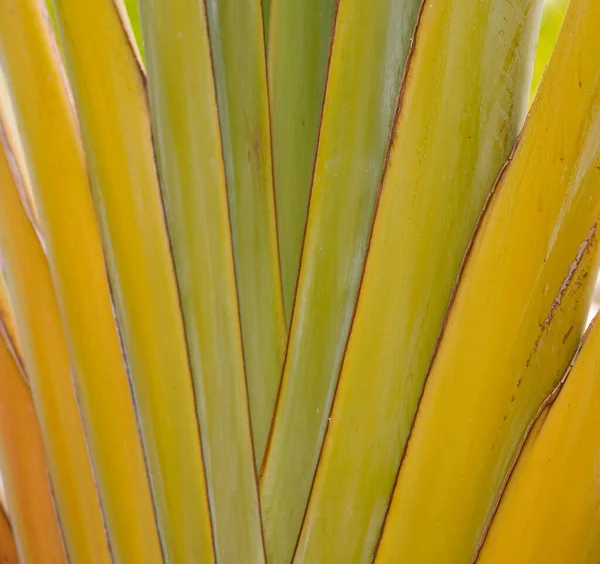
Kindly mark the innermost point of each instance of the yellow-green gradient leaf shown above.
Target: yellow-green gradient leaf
(370, 46)
(188, 149)
(467, 81)
(552, 18)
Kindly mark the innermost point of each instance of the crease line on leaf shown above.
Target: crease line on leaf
(4, 334)
(8, 326)
(273, 191)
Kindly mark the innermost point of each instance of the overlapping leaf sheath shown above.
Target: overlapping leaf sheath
(302, 34)
(8, 549)
(240, 75)
(8, 325)
(519, 309)
(266, 15)
(549, 511)
(48, 367)
(370, 45)
(68, 223)
(12, 135)
(189, 154)
(467, 80)
(24, 471)
(110, 96)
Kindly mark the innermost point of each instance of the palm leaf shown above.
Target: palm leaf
(306, 289)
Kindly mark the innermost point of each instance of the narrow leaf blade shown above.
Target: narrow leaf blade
(237, 46)
(189, 155)
(301, 32)
(48, 367)
(60, 184)
(110, 95)
(24, 471)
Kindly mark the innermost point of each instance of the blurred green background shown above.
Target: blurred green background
(552, 17)
(134, 16)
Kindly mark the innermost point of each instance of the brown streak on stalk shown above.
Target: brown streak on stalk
(587, 242)
(405, 75)
(547, 403)
(551, 397)
(281, 380)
